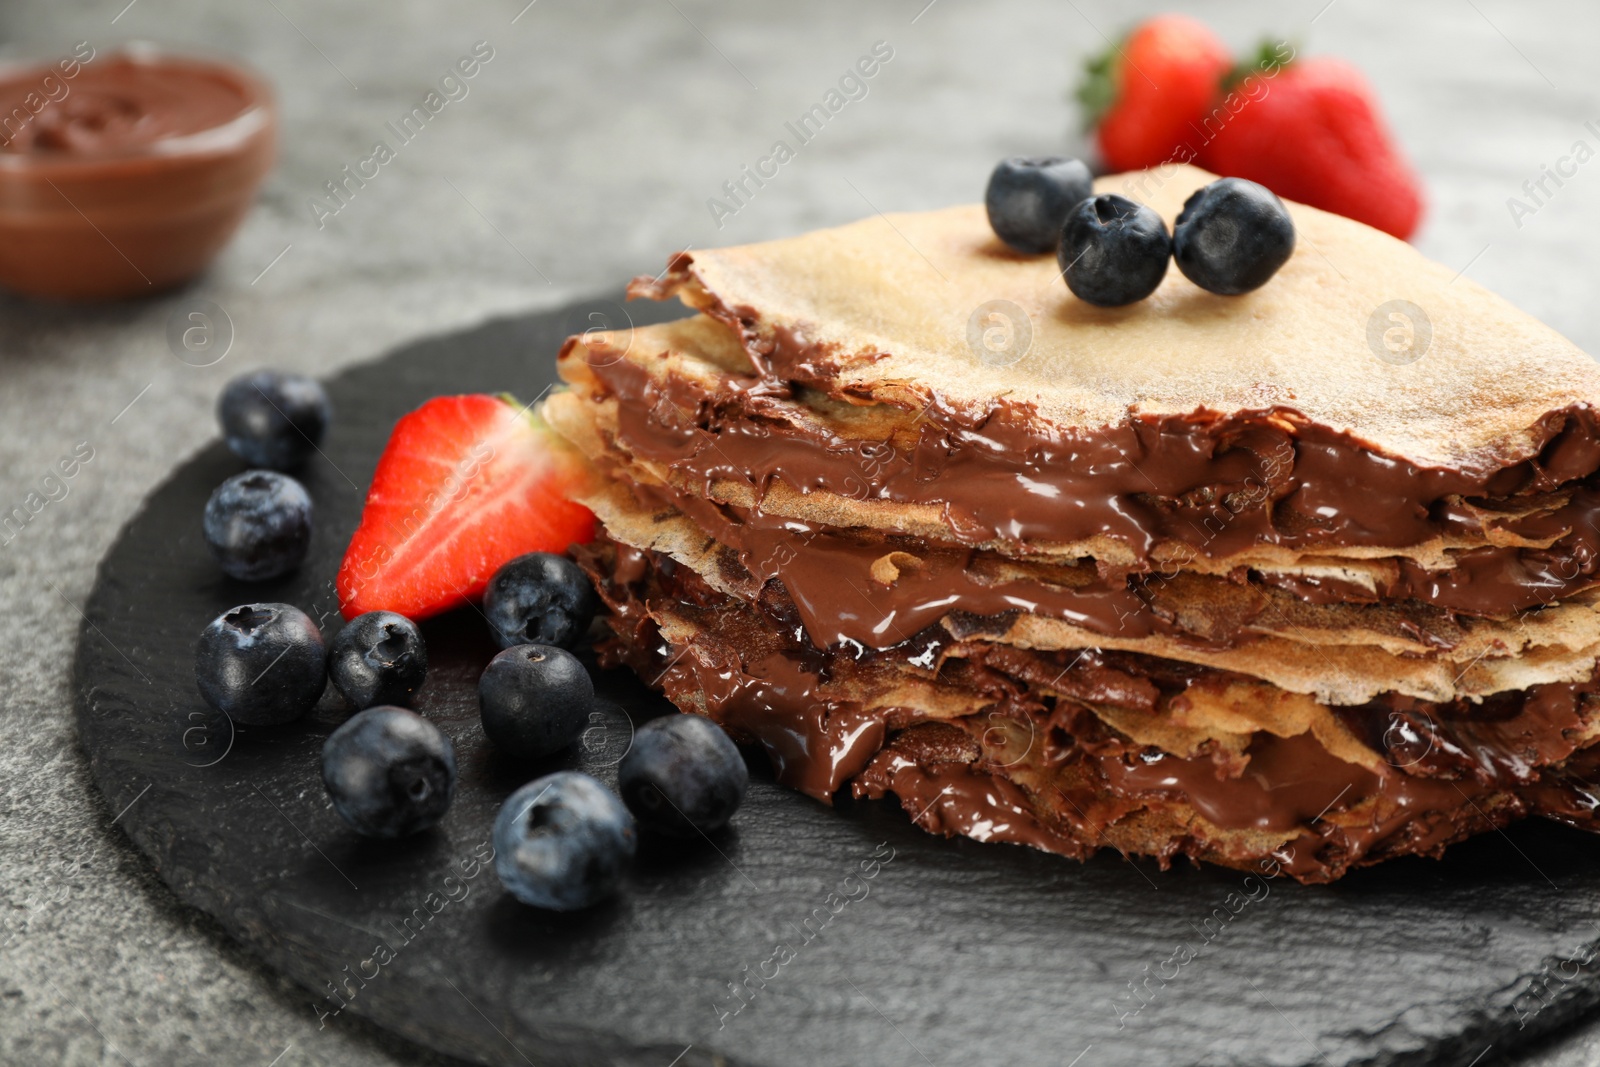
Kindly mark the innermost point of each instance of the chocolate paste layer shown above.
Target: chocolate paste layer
(1201, 484)
(875, 590)
(1451, 770)
(829, 578)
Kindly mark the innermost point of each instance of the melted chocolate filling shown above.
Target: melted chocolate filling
(1169, 487)
(844, 595)
(1451, 769)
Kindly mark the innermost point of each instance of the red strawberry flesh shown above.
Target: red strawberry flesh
(1162, 81)
(1318, 136)
(465, 484)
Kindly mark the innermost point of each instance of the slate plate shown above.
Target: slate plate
(951, 952)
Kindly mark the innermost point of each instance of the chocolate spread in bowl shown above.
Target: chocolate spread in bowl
(129, 175)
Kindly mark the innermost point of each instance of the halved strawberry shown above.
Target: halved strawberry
(465, 484)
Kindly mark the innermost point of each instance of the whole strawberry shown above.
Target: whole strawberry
(1314, 133)
(1149, 97)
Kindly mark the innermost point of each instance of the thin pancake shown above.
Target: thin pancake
(684, 367)
(883, 305)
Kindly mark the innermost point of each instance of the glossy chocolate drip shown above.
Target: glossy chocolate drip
(763, 692)
(1293, 792)
(1505, 737)
(815, 746)
(1289, 781)
(962, 799)
(1201, 484)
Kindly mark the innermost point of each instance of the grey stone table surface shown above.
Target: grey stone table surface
(584, 152)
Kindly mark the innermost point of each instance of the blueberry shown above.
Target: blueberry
(1232, 236)
(272, 419)
(1113, 251)
(378, 658)
(389, 772)
(682, 776)
(563, 841)
(540, 598)
(535, 700)
(1028, 199)
(261, 664)
(258, 525)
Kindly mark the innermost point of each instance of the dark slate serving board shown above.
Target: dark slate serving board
(952, 952)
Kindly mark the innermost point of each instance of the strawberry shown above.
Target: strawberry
(465, 484)
(1149, 96)
(1314, 133)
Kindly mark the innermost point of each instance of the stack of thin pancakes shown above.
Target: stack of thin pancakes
(1304, 578)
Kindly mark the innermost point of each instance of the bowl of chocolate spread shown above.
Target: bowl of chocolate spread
(124, 173)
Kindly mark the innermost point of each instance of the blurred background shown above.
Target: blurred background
(584, 152)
